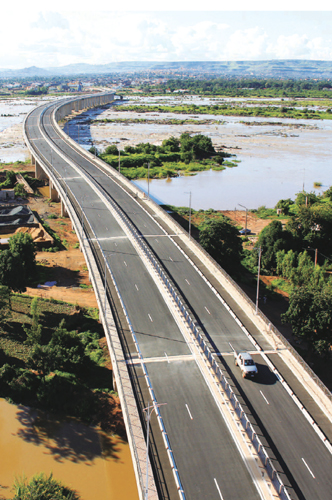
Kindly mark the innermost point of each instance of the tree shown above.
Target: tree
(312, 227)
(41, 487)
(10, 180)
(111, 150)
(310, 315)
(273, 239)
(93, 150)
(304, 198)
(221, 240)
(5, 302)
(34, 332)
(171, 145)
(21, 245)
(285, 205)
(12, 272)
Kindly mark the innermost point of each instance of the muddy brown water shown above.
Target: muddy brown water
(95, 464)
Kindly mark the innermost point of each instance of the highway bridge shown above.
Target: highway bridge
(172, 318)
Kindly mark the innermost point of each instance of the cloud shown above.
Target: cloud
(248, 44)
(49, 20)
(300, 47)
(100, 37)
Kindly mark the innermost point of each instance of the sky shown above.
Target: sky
(67, 32)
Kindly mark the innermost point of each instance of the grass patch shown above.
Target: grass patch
(281, 284)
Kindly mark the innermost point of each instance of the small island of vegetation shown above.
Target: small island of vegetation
(184, 156)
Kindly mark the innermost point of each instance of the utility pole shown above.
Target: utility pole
(258, 276)
(246, 216)
(189, 192)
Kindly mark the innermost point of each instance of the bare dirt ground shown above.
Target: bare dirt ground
(253, 223)
(66, 267)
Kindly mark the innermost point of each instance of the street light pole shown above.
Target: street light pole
(189, 192)
(154, 406)
(246, 216)
(258, 275)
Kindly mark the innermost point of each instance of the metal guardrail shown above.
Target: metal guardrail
(72, 211)
(196, 331)
(262, 316)
(199, 335)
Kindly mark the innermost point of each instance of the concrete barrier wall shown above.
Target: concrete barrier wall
(80, 104)
(312, 383)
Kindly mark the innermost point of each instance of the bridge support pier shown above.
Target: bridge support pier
(64, 212)
(54, 195)
(114, 382)
(39, 171)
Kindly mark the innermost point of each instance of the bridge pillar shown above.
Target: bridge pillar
(64, 212)
(54, 195)
(114, 382)
(33, 160)
(39, 171)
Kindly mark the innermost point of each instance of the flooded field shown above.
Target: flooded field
(95, 464)
(12, 114)
(278, 157)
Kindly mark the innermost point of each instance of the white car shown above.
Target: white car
(246, 363)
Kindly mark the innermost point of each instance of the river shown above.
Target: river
(278, 156)
(95, 464)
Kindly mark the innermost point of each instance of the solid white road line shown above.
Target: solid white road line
(305, 463)
(264, 397)
(190, 415)
(217, 486)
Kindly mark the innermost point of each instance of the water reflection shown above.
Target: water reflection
(94, 463)
(65, 440)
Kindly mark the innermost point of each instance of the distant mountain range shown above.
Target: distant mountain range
(265, 69)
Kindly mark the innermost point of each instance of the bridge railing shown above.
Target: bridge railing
(200, 250)
(180, 303)
(72, 207)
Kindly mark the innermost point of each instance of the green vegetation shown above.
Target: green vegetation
(19, 191)
(233, 110)
(247, 87)
(300, 254)
(220, 238)
(290, 254)
(50, 358)
(188, 154)
(216, 233)
(9, 181)
(42, 487)
(165, 121)
(18, 262)
(37, 91)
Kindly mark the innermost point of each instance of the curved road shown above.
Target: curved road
(204, 450)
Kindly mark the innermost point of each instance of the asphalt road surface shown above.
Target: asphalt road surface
(208, 453)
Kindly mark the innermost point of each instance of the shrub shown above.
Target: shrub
(42, 487)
